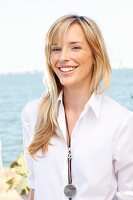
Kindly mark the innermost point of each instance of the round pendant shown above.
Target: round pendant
(70, 190)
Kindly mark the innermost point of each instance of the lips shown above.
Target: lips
(67, 68)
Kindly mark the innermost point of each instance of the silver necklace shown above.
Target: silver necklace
(69, 190)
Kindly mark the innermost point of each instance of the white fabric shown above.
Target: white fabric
(102, 153)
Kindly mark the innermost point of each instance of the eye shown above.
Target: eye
(76, 47)
(55, 49)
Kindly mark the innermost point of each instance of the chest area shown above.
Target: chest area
(86, 147)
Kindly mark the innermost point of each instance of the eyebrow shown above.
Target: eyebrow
(73, 42)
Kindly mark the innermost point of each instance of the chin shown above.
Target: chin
(67, 83)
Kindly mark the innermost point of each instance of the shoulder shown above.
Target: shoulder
(114, 106)
(30, 110)
(115, 110)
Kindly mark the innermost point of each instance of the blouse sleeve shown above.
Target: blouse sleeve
(124, 160)
(26, 139)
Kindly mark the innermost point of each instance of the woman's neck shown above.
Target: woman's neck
(75, 99)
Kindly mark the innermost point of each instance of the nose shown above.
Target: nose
(64, 55)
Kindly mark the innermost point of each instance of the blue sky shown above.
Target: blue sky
(24, 24)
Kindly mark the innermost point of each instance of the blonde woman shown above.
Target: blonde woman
(77, 142)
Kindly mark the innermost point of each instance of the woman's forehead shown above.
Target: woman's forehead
(72, 35)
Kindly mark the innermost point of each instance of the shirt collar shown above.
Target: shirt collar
(94, 102)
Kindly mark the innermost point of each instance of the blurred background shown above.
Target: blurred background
(23, 26)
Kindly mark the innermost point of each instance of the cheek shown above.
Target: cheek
(89, 60)
(83, 57)
(54, 59)
(86, 64)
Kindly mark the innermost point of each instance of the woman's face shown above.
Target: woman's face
(73, 60)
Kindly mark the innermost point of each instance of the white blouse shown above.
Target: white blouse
(102, 153)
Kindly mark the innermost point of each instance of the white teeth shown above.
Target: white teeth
(67, 69)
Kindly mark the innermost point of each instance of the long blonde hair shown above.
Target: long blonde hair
(47, 119)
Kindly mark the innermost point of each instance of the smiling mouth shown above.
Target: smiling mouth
(67, 69)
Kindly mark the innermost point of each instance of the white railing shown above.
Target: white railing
(1, 162)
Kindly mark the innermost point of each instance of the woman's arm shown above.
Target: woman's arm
(28, 159)
(31, 194)
(124, 160)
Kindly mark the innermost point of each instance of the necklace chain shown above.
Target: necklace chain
(69, 190)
